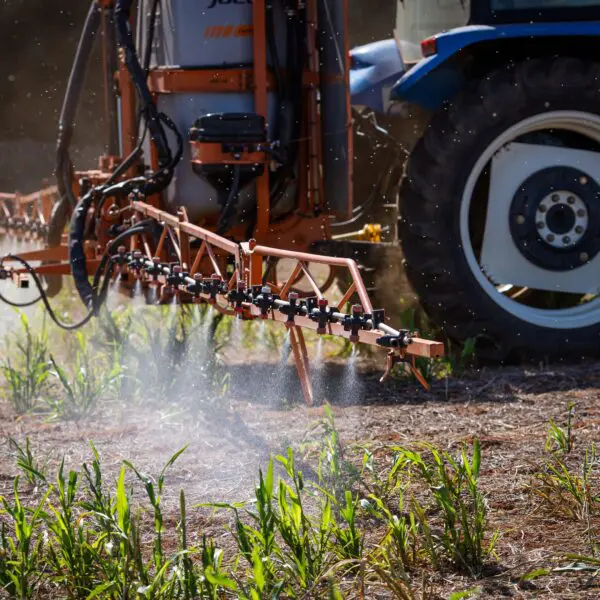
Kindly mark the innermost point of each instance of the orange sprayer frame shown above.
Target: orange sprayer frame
(209, 253)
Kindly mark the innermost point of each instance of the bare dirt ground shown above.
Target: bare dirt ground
(508, 410)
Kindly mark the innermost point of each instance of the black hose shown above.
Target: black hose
(138, 77)
(110, 68)
(99, 289)
(154, 184)
(66, 122)
(150, 36)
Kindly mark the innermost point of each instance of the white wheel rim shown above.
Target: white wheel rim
(576, 317)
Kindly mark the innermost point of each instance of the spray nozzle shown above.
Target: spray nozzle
(354, 322)
(291, 309)
(214, 287)
(120, 257)
(320, 313)
(238, 296)
(153, 269)
(265, 301)
(196, 288)
(136, 261)
(175, 277)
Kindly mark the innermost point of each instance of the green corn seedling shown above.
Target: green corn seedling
(87, 384)
(23, 550)
(26, 368)
(559, 438)
(33, 471)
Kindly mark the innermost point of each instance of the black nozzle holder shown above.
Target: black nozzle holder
(354, 322)
(291, 309)
(195, 288)
(136, 261)
(402, 340)
(121, 257)
(238, 296)
(265, 301)
(175, 277)
(154, 269)
(215, 287)
(321, 314)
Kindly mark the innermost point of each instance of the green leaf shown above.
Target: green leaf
(122, 501)
(476, 457)
(531, 575)
(97, 591)
(466, 594)
(219, 579)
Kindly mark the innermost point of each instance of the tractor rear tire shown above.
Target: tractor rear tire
(431, 194)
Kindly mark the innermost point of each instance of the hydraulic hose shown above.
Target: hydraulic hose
(138, 76)
(99, 286)
(153, 184)
(66, 122)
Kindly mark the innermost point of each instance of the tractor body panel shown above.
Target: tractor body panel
(438, 77)
(374, 69)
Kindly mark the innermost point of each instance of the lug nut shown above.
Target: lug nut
(550, 237)
(540, 224)
(571, 200)
(555, 198)
(542, 208)
(581, 212)
(566, 239)
(579, 229)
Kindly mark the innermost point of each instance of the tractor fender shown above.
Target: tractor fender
(437, 78)
(374, 69)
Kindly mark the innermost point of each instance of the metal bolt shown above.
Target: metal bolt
(566, 240)
(584, 257)
(581, 212)
(579, 229)
(555, 198)
(540, 224)
(583, 181)
(542, 208)
(571, 200)
(520, 219)
(550, 237)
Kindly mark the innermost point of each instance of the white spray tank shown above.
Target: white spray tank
(417, 20)
(203, 34)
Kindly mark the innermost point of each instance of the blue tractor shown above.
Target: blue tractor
(499, 203)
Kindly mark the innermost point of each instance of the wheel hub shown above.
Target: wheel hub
(554, 218)
(562, 219)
